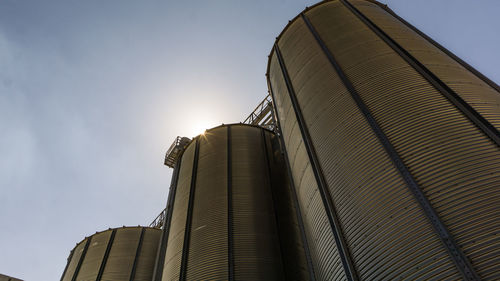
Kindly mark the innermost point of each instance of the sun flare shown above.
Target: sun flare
(199, 127)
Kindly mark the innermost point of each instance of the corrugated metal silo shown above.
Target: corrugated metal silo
(232, 215)
(393, 145)
(126, 253)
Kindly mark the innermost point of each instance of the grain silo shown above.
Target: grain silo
(393, 145)
(231, 214)
(126, 253)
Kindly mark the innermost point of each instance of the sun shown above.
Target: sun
(199, 127)
(198, 118)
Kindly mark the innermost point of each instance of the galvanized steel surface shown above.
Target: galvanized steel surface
(231, 225)
(454, 162)
(173, 255)
(126, 253)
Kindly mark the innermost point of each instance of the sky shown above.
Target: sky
(93, 92)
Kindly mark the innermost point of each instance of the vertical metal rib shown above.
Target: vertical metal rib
(273, 199)
(474, 116)
(298, 212)
(230, 206)
(137, 253)
(448, 241)
(345, 256)
(82, 257)
(67, 264)
(443, 49)
(106, 255)
(189, 217)
(160, 255)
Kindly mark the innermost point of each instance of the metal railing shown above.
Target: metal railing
(175, 150)
(158, 221)
(263, 115)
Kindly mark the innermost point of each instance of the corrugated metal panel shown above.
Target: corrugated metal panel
(455, 163)
(233, 216)
(93, 259)
(256, 245)
(374, 202)
(485, 99)
(160, 260)
(73, 261)
(147, 255)
(122, 255)
(324, 253)
(291, 244)
(173, 255)
(207, 259)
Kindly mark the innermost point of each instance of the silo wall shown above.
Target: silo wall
(126, 253)
(232, 215)
(393, 146)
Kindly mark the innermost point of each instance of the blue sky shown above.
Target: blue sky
(92, 93)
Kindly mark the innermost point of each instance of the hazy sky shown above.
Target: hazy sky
(92, 93)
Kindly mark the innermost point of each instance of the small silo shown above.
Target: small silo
(232, 214)
(394, 147)
(126, 253)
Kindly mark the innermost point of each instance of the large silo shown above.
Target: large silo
(393, 145)
(231, 214)
(120, 254)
